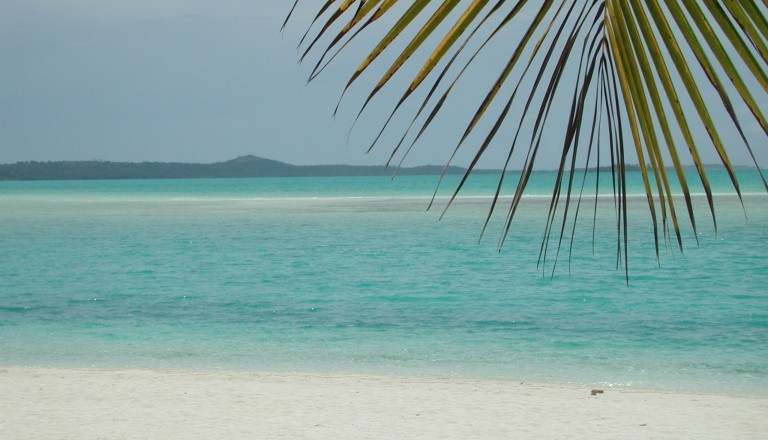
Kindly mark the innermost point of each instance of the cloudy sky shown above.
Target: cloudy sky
(172, 80)
(192, 81)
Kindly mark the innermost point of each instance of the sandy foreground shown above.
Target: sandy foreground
(48, 403)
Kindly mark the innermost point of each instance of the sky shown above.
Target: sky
(189, 81)
(180, 81)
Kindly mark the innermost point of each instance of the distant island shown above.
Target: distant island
(244, 166)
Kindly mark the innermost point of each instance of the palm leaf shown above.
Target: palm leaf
(639, 77)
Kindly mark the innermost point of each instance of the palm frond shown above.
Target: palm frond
(642, 80)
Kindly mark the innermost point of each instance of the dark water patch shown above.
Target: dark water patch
(19, 309)
(170, 354)
(367, 325)
(756, 370)
(90, 300)
(141, 272)
(39, 312)
(111, 336)
(746, 296)
(248, 283)
(571, 345)
(189, 297)
(498, 325)
(94, 325)
(406, 298)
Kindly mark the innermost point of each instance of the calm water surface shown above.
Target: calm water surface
(352, 275)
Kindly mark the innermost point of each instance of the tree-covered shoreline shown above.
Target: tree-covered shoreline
(244, 166)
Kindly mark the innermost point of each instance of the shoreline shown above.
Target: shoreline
(73, 403)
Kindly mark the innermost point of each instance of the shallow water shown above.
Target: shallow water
(352, 275)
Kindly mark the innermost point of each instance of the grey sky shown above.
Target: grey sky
(160, 81)
(198, 81)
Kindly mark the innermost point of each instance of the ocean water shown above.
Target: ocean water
(353, 275)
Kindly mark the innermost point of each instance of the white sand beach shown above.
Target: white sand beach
(52, 403)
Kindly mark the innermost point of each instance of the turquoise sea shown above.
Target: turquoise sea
(353, 275)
